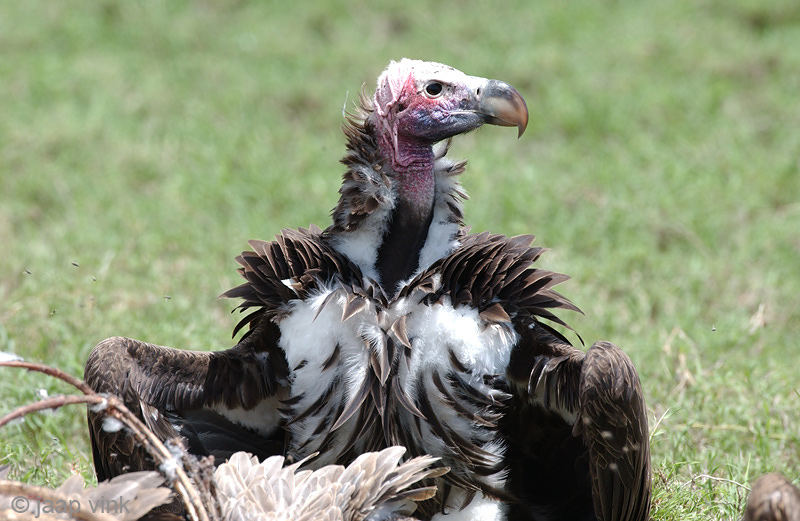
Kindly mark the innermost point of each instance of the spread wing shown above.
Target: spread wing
(577, 431)
(224, 401)
(575, 424)
(219, 402)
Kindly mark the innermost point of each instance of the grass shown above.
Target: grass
(144, 143)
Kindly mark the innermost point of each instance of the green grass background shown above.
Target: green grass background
(143, 143)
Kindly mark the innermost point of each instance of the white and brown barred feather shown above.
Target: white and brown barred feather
(490, 273)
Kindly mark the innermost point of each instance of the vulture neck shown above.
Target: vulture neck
(407, 230)
(397, 213)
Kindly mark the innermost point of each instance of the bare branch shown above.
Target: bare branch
(49, 403)
(51, 371)
(115, 408)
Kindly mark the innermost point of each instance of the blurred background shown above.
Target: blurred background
(143, 143)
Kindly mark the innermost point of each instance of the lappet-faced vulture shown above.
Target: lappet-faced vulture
(396, 326)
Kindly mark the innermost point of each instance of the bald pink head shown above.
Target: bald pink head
(432, 101)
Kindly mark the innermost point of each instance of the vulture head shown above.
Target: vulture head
(419, 103)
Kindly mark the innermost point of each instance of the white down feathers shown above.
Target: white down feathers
(311, 334)
(374, 487)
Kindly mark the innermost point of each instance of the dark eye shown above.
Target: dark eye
(433, 89)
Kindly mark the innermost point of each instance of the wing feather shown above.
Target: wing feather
(164, 386)
(556, 467)
(613, 423)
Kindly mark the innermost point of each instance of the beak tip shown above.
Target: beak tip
(505, 106)
(522, 123)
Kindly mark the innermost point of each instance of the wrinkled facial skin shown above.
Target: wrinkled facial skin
(429, 102)
(438, 110)
(431, 105)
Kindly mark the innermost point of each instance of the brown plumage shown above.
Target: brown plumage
(773, 498)
(157, 382)
(395, 326)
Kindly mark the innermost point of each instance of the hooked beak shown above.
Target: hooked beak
(502, 105)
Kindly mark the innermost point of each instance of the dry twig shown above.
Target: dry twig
(115, 408)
